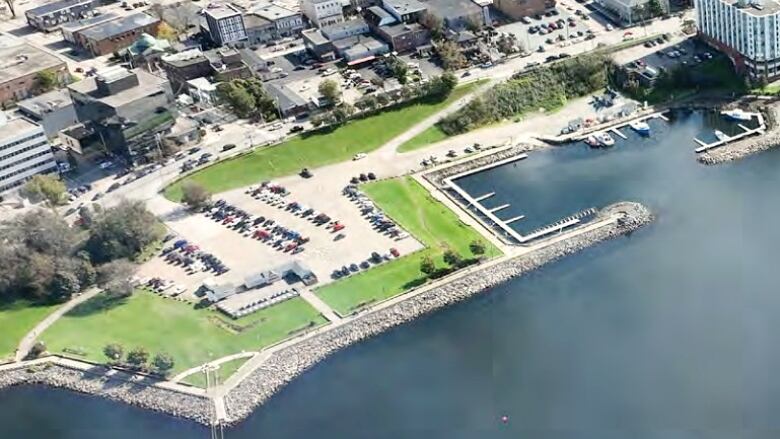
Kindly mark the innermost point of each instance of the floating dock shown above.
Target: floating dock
(484, 197)
(617, 131)
(517, 218)
(704, 146)
(497, 208)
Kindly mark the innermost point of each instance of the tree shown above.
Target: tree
(163, 363)
(114, 352)
(194, 195)
(10, 4)
(433, 24)
(46, 80)
(654, 8)
(47, 188)
(427, 266)
(64, 284)
(398, 69)
(138, 358)
(122, 231)
(473, 25)
(36, 350)
(477, 247)
(115, 278)
(247, 98)
(42, 231)
(341, 113)
(367, 103)
(167, 32)
(450, 55)
(329, 89)
(452, 258)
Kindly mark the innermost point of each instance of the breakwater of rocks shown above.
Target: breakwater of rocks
(116, 386)
(752, 145)
(437, 177)
(284, 365)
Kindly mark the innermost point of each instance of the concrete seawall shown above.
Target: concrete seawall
(284, 365)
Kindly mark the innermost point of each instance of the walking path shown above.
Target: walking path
(29, 340)
(198, 369)
(321, 306)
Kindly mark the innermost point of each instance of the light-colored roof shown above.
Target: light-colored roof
(23, 59)
(46, 102)
(121, 25)
(12, 128)
(219, 11)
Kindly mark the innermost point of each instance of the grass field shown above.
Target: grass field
(191, 336)
(432, 223)
(316, 149)
(224, 372)
(431, 135)
(17, 318)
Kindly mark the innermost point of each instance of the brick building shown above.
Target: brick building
(115, 35)
(20, 65)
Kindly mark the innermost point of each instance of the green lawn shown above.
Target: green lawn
(224, 372)
(431, 135)
(191, 336)
(432, 223)
(320, 148)
(17, 318)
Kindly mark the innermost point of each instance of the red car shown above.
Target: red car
(394, 252)
(337, 227)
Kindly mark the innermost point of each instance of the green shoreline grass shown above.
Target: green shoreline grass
(191, 336)
(316, 149)
(436, 226)
(17, 318)
(225, 371)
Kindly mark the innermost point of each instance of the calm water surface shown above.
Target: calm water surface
(670, 333)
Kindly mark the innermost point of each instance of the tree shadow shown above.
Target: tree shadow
(101, 303)
(415, 283)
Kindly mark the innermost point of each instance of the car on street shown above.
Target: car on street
(228, 147)
(359, 156)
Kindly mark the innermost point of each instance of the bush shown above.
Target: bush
(548, 87)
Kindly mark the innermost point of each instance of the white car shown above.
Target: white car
(276, 126)
(359, 156)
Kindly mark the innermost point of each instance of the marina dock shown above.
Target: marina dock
(497, 208)
(484, 197)
(704, 146)
(517, 218)
(617, 131)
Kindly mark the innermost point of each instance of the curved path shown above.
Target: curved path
(29, 340)
(217, 362)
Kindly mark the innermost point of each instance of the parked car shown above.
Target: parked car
(228, 147)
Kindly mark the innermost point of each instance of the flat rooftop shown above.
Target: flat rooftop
(147, 84)
(757, 8)
(406, 6)
(47, 102)
(23, 59)
(121, 25)
(453, 8)
(73, 26)
(272, 11)
(55, 6)
(219, 11)
(11, 128)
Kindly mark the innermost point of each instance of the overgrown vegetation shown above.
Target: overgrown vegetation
(47, 261)
(247, 99)
(547, 87)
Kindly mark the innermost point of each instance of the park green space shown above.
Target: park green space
(318, 148)
(224, 372)
(437, 227)
(430, 136)
(191, 336)
(17, 318)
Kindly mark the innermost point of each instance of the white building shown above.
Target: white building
(226, 24)
(749, 32)
(323, 13)
(24, 152)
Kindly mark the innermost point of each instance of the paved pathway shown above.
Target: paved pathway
(321, 306)
(217, 362)
(29, 340)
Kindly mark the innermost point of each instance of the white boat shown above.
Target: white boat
(640, 127)
(605, 139)
(737, 114)
(721, 135)
(592, 141)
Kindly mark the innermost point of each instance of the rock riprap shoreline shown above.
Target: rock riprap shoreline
(117, 386)
(746, 147)
(284, 365)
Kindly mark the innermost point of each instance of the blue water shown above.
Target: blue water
(668, 333)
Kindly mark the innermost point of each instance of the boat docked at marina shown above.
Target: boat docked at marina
(721, 135)
(605, 139)
(737, 114)
(640, 127)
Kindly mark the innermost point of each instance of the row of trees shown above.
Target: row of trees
(547, 87)
(46, 260)
(138, 359)
(247, 99)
